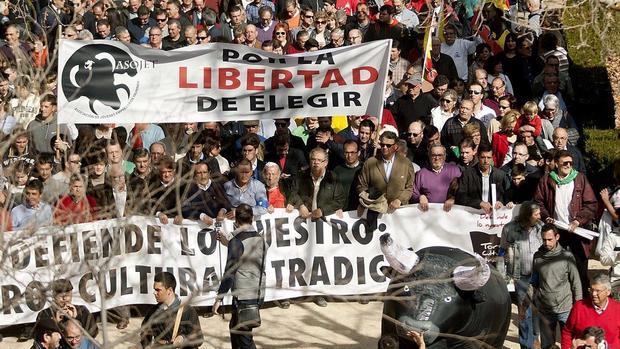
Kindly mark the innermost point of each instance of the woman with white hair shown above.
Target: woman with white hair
(277, 189)
(553, 117)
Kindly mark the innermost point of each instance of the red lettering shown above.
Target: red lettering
(256, 76)
(228, 79)
(333, 76)
(307, 74)
(281, 77)
(206, 77)
(183, 79)
(357, 75)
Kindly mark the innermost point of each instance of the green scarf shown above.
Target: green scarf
(571, 177)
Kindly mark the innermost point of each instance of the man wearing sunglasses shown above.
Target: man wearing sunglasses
(389, 173)
(565, 195)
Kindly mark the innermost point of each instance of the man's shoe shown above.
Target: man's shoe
(364, 300)
(320, 301)
(285, 304)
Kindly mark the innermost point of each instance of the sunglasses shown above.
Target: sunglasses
(200, 38)
(446, 100)
(320, 22)
(411, 134)
(503, 107)
(385, 145)
(308, 16)
(567, 163)
(475, 92)
(161, 20)
(280, 33)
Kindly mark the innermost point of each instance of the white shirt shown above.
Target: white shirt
(120, 198)
(387, 166)
(563, 196)
(459, 52)
(315, 193)
(486, 195)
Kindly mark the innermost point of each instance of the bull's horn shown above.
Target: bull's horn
(108, 56)
(400, 259)
(472, 278)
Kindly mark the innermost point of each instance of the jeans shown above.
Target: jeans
(527, 332)
(548, 323)
(240, 339)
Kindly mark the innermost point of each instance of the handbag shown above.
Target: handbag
(248, 315)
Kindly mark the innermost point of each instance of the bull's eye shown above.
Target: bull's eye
(447, 299)
(406, 288)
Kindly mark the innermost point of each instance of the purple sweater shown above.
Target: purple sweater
(434, 185)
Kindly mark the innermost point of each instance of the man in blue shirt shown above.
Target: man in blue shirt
(32, 213)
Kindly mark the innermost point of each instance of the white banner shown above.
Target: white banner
(332, 256)
(105, 81)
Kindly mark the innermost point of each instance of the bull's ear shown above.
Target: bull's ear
(388, 271)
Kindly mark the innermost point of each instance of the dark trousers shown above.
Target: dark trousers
(573, 243)
(238, 338)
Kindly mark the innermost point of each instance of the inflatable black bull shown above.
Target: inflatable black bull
(455, 298)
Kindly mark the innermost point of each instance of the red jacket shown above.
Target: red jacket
(523, 120)
(500, 145)
(69, 212)
(583, 315)
(583, 204)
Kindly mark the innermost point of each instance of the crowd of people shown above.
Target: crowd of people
(494, 128)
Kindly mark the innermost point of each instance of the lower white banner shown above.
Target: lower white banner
(112, 263)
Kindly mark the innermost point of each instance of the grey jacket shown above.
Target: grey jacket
(555, 280)
(246, 251)
(518, 243)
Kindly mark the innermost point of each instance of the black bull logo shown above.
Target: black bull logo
(457, 300)
(90, 71)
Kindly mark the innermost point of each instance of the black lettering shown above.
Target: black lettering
(339, 263)
(229, 54)
(296, 267)
(35, 295)
(299, 225)
(351, 97)
(375, 273)
(133, 238)
(210, 280)
(144, 271)
(187, 281)
(185, 249)
(109, 283)
(339, 230)
(277, 266)
(229, 104)
(125, 288)
(58, 247)
(257, 103)
(90, 245)
(303, 60)
(295, 102)
(87, 297)
(319, 272)
(20, 255)
(335, 99)
(204, 104)
(325, 57)
(318, 224)
(357, 234)
(75, 249)
(153, 237)
(252, 58)
(202, 244)
(273, 103)
(110, 242)
(281, 232)
(11, 296)
(317, 101)
(361, 271)
(40, 256)
(264, 228)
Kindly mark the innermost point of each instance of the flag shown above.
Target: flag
(428, 73)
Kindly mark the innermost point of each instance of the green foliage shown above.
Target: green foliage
(602, 146)
(592, 32)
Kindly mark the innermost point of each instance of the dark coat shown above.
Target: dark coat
(469, 192)
(209, 202)
(583, 204)
(330, 198)
(104, 197)
(295, 162)
(158, 325)
(86, 319)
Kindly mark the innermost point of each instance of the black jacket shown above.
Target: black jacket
(469, 192)
(209, 202)
(158, 325)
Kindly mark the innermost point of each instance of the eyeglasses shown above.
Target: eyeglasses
(474, 92)
(280, 33)
(567, 163)
(320, 22)
(411, 134)
(200, 38)
(437, 155)
(317, 161)
(159, 20)
(385, 145)
(446, 100)
(308, 16)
